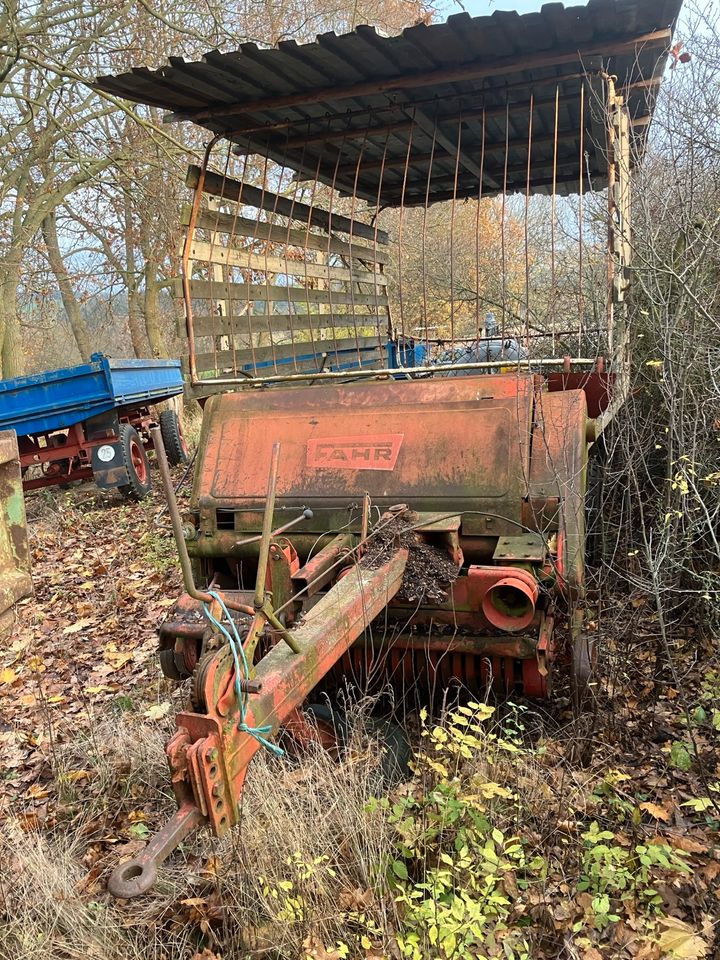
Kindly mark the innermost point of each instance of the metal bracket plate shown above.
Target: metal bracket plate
(529, 548)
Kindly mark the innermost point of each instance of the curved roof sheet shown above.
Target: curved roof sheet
(405, 118)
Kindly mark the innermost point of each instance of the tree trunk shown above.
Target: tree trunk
(137, 327)
(72, 307)
(153, 324)
(13, 360)
(11, 355)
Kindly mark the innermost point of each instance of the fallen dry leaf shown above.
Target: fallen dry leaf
(158, 711)
(680, 940)
(78, 626)
(687, 844)
(656, 811)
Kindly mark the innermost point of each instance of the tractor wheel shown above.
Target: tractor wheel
(175, 446)
(136, 463)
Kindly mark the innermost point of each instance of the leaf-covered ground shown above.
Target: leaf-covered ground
(84, 646)
(84, 712)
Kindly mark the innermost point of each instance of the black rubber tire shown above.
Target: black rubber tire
(594, 504)
(169, 665)
(136, 463)
(394, 765)
(175, 446)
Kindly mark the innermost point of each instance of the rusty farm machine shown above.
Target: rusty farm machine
(399, 411)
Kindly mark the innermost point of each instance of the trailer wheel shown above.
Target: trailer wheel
(136, 463)
(176, 447)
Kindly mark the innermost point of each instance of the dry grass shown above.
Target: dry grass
(303, 872)
(304, 823)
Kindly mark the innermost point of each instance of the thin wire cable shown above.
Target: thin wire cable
(242, 670)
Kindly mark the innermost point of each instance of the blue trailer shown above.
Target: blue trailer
(92, 421)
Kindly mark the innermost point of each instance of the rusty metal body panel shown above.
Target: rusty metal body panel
(559, 472)
(493, 468)
(441, 445)
(15, 579)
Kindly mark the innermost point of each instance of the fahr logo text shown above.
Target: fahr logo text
(355, 453)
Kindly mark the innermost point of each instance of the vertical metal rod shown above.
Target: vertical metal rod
(423, 267)
(328, 254)
(221, 306)
(234, 332)
(308, 225)
(380, 266)
(458, 151)
(267, 529)
(266, 247)
(176, 521)
(502, 222)
(553, 293)
(478, 326)
(581, 304)
(400, 227)
(527, 217)
(290, 218)
(351, 282)
(187, 246)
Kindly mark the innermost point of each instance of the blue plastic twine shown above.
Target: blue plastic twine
(236, 647)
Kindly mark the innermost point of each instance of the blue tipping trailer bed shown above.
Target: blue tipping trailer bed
(56, 399)
(92, 421)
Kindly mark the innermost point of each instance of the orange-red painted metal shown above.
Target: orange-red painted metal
(472, 460)
(509, 603)
(460, 444)
(210, 753)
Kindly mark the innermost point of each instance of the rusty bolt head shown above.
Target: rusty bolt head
(212, 755)
(217, 790)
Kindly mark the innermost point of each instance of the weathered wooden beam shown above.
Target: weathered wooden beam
(232, 225)
(229, 189)
(216, 253)
(209, 290)
(249, 323)
(288, 354)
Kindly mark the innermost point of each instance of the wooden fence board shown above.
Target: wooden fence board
(214, 253)
(259, 230)
(246, 324)
(216, 290)
(219, 186)
(322, 354)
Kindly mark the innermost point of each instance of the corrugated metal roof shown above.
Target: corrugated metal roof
(391, 118)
